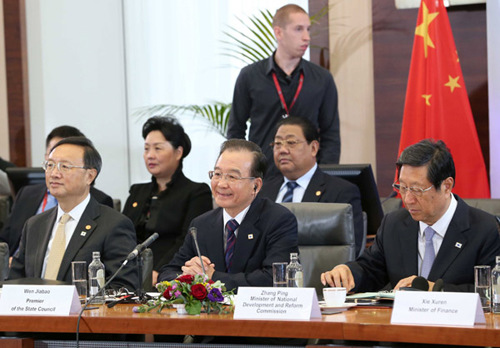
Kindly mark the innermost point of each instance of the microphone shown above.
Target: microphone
(418, 284)
(140, 247)
(193, 231)
(438, 285)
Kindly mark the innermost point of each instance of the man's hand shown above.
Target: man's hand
(154, 278)
(406, 283)
(193, 266)
(340, 276)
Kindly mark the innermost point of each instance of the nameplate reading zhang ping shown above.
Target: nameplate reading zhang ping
(39, 300)
(276, 303)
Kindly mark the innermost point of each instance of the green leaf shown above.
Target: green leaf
(193, 308)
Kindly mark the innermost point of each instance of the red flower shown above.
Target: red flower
(167, 292)
(199, 291)
(210, 281)
(187, 278)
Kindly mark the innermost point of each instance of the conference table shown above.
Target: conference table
(355, 324)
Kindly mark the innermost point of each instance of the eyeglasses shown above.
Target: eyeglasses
(49, 166)
(416, 191)
(231, 178)
(288, 143)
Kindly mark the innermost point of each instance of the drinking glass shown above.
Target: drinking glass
(279, 274)
(79, 279)
(482, 285)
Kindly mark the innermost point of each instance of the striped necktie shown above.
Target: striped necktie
(288, 197)
(231, 227)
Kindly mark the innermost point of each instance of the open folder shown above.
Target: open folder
(371, 298)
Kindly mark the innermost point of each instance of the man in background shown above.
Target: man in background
(437, 236)
(35, 199)
(78, 226)
(295, 149)
(285, 84)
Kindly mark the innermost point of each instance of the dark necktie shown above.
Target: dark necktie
(288, 197)
(429, 253)
(231, 227)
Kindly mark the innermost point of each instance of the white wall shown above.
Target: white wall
(77, 77)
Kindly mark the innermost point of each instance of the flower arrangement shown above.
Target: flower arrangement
(195, 292)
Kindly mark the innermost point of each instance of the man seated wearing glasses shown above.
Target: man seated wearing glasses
(35, 199)
(240, 240)
(78, 226)
(295, 148)
(437, 236)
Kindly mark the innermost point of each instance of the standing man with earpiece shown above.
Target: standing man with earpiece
(285, 84)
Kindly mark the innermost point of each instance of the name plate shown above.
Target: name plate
(39, 300)
(276, 303)
(437, 308)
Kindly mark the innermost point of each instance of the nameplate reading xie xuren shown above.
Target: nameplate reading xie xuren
(39, 300)
(437, 308)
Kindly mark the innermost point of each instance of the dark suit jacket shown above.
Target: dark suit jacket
(472, 239)
(325, 188)
(170, 214)
(26, 204)
(100, 229)
(267, 234)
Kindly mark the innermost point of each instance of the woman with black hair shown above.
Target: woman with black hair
(170, 201)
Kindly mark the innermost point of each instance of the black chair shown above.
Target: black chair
(326, 238)
(4, 209)
(4, 261)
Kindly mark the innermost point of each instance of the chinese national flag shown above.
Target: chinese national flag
(437, 105)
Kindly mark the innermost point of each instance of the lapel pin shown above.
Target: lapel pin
(318, 193)
(250, 236)
(458, 245)
(134, 204)
(83, 233)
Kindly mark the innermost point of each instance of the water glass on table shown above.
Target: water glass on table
(279, 274)
(79, 279)
(482, 285)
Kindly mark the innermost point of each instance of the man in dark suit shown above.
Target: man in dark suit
(258, 232)
(295, 148)
(78, 225)
(35, 199)
(438, 236)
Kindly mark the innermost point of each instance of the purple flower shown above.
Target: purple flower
(177, 294)
(215, 295)
(136, 310)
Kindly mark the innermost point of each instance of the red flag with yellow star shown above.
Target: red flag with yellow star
(437, 105)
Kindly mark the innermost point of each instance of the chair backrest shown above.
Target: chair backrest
(326, 238)
(491, 206)
(4, 261)
(4, 209)
(391, 204)
(4, 184)
(147, 270)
